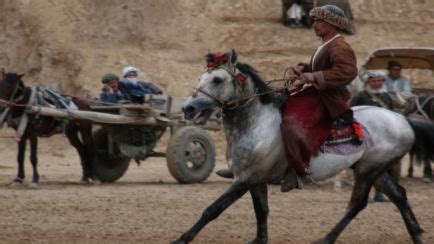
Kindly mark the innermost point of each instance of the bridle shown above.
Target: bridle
(11, 103)
(290, 82)
(12, 100)
(236, 103)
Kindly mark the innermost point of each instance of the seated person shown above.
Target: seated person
(374, 93)
(110, 93)
(133, 89)
(395, 81)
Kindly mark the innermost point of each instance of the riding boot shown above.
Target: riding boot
(225, 173)
(291, 181)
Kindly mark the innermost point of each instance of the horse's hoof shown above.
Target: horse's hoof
(178, 242)
(322, 241)
(87, 180)
(427, 180)
(34, 185)
(258, 241)
(17, 183)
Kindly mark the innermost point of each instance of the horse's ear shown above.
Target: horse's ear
(233, 55)
(20, 75)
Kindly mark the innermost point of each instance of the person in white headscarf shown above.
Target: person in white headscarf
(134, 89)
(375, 94)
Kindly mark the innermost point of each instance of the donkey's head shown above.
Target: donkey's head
(10, 85)
(222, 85)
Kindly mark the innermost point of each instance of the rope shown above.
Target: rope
(410, 64)
(12, 104)
(419, 108)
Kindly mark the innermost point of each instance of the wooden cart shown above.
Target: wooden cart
(131, 131)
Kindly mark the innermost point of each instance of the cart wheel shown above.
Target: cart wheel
(108, 168)
(190, 155)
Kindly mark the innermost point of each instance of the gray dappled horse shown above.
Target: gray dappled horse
(256, 155)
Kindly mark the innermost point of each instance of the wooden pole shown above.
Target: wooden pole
(97, 117)
(105, 118)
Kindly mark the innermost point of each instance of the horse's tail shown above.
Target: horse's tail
(423, 147)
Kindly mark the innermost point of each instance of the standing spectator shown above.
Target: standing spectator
(295, 12)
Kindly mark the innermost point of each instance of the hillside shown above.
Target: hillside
(73, 42)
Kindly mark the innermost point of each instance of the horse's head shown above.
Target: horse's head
(223, 85)
(10, 85)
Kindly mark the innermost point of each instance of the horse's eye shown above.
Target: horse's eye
(217, 80)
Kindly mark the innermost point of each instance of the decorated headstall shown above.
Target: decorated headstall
(225, 61)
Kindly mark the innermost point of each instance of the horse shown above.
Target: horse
(423, 106)
(17, 95)
(251, 119)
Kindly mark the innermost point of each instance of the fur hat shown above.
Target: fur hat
(129, 69)
(331, 14)
(109, 77)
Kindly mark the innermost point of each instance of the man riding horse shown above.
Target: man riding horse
(320, 102)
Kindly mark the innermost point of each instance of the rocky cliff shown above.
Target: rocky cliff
(74, 42)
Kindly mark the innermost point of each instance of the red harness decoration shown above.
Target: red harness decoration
(213, 60)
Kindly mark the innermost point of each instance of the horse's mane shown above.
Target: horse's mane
(261, 86)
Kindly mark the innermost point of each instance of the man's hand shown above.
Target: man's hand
(307, 78)
(108, 88)
(303, 77)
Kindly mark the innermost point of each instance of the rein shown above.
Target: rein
(291, 83)
(420, 106)
(234, 104)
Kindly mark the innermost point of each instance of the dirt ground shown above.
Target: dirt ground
(148, 206)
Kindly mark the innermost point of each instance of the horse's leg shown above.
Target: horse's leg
(397, 195)
(410, 167)
(359, 200)
(427, 170)
(20, 159)
(71, 133)
(260, 203)
(87, 142)
(236, 191)
(34, 158)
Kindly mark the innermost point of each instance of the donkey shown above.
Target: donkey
(421, 106)
(256, 154)
(13, 90)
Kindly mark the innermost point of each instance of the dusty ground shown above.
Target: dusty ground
(148, 206)
(73, 43)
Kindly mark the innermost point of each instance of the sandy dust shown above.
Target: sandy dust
(148, 206)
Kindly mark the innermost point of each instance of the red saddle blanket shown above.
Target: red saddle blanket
(306, 126)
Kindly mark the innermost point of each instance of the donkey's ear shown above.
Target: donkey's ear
(233, 57)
